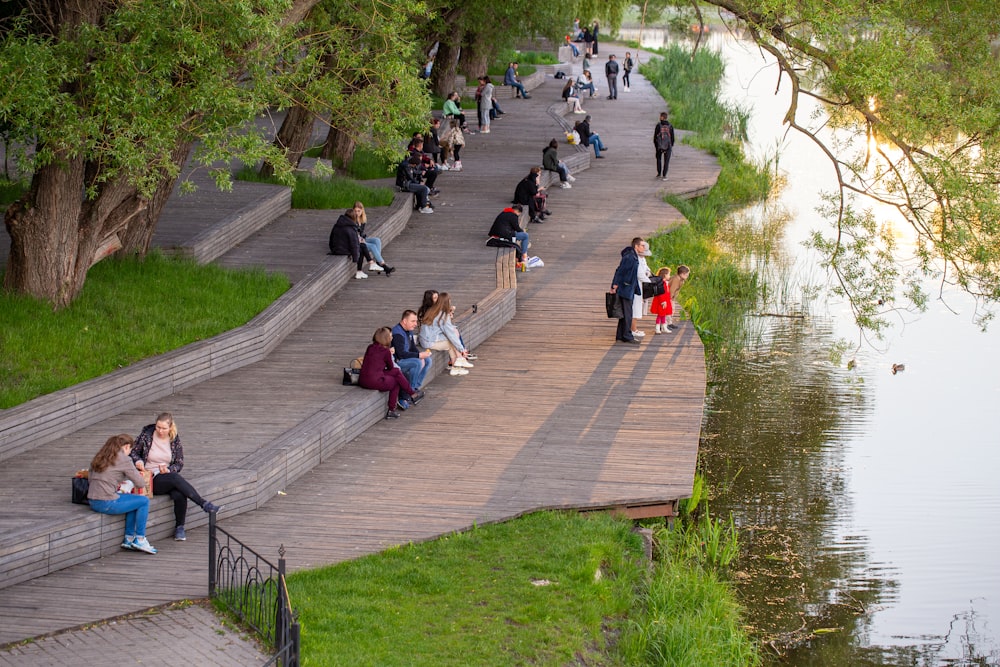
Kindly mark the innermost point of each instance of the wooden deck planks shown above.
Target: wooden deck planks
(554, 414)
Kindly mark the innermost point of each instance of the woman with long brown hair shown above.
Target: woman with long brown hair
(438, 332)
(158, 449)
(110, 467)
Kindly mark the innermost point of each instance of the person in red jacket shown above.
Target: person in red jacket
(379, 373)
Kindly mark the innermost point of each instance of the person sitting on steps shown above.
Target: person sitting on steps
(378, 372)
(551, 162)
(588, 138)
(408, 175)
(158, 449)
(345, 239)
(526, 194)
(510, 78)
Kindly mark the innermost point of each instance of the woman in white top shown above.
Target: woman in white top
(438, 332)
(638, 303)
(158, 449)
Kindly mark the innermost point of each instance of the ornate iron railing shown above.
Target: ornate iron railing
(254, 589)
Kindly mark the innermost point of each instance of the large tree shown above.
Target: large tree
(919, 84)
(106, 99)
(357, 71)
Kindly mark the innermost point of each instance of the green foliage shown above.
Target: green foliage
(10, 191)
(911, 90)
(540, 590)
(315, 192)
(721, 288)
(125, 93)
(129, 310)
(689, 618)
(358, 68)
(368, 164)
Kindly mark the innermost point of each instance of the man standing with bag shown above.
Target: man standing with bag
(663, 142)
(625, 285)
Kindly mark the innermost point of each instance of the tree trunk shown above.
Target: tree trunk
(474, 61)
(293, 137)
(443, 73)
(137, 237)
(56, 235)
(339, 147)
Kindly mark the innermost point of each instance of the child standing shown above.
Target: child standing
(663, 306)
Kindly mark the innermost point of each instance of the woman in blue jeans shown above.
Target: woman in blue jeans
(111, 467)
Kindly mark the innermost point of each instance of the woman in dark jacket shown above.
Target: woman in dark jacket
(380, 373)
(526, 194)
(345, 239)
(158, 449)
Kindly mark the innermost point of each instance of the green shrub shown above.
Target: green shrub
(323, 193)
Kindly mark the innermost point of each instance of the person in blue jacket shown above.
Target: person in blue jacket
(625, 285)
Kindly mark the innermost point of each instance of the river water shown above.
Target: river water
(867, 501)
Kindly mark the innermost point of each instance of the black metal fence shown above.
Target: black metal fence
(254, 589)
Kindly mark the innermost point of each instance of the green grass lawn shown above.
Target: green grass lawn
(535, 591)
(551, 588)
(128, 310)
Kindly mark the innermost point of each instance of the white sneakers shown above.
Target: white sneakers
(638, 334)
(457, 166)
(571, 178)
(458, 371)
(462, 362)
(360, 275)
(374, 267)
(565, 185)
(426, 209)
(444, 166)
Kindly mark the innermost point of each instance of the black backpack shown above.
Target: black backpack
(663, 141)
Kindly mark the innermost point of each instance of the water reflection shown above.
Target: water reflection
(867, 501)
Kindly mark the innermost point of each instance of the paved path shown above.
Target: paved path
(554, 414)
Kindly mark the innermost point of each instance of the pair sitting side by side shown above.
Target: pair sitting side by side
(157, 450)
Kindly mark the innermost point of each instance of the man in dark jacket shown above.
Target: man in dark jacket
(408, 178)
(611, 72)
(588, 138)
(506, 227)
(663, 142)
(414, 362)
(625, 284)
(428, 168)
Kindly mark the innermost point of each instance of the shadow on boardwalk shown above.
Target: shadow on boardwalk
(554, 414)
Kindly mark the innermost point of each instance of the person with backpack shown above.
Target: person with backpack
(663, 142)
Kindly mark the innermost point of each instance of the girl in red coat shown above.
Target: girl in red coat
(380, 373)
(663, 305)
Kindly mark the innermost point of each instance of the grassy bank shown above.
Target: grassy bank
(721, 288)
(128, 310)
(551, 588)
(324, 193)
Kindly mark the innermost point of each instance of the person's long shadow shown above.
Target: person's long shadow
(564, 464)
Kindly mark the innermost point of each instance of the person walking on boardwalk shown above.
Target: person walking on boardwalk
(611, 72)
(625, 285)
(627, 66)
(663, 142)
(110, 467)
(158, 449)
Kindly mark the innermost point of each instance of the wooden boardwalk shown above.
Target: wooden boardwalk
(554, 414)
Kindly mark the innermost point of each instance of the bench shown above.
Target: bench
(78, 534)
